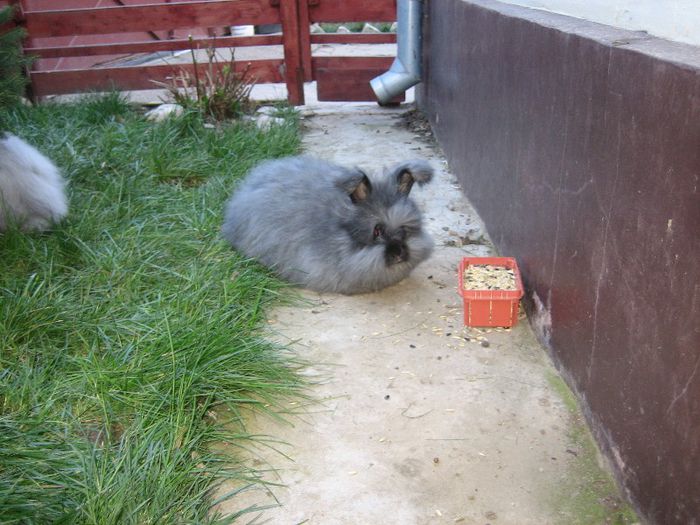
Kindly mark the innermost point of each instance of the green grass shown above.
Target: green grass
(126, 330)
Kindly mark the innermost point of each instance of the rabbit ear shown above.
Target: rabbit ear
(409, 172)
(357, 186)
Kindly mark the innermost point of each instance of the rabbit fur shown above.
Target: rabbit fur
(31, 187)
(330, 228)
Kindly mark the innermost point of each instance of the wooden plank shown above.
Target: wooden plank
(355, 11)
(155, 17)
(55, 5)
(349, 84)
(294, 71)
(142, 77)
(305, 39)
(382, 63)
(353, 38)
(151, 46)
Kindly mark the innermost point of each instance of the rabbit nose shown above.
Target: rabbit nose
(396, 252)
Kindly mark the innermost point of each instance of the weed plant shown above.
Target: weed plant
(12, 61)
(218, 91)
(130, 334)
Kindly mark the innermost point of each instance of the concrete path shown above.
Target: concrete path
(420, 421)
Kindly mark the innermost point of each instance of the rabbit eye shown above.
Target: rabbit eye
(378, 230)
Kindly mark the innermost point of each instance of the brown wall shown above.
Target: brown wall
(579, 144)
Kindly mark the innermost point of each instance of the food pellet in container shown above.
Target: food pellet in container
(488, 277)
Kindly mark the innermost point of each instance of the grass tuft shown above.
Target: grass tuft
(130, 326)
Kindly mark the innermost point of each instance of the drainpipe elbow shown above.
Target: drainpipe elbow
(393, 82)
(405, 72)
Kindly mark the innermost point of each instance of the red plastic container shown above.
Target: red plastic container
(491, 307)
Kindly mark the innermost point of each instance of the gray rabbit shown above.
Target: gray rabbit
(330, 228)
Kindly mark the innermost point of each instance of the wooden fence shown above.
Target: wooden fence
(94, 31)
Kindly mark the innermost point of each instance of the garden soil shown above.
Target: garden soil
(417, 419)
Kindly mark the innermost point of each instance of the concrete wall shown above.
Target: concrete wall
(677, 20)
(579, 144)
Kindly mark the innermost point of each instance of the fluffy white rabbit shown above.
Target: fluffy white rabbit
(32, 191)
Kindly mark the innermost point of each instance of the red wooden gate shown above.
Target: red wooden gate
(74, 43)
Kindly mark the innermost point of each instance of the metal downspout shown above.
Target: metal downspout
(405, 72)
